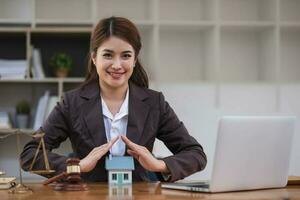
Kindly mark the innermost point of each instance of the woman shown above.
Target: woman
(113, 111)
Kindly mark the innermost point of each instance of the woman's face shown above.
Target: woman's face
(114, 61)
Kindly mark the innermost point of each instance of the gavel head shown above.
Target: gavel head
(73, 170)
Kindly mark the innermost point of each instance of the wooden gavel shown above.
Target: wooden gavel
(71, 176)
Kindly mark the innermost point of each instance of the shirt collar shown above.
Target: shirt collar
(122, 112)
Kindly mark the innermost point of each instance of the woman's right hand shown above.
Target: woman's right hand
(89, 162)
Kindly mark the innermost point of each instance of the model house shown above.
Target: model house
(119, 169)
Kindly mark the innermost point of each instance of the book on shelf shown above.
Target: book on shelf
(37, 67)
(4, 120)
(51, 104)
(41, 110)
(13, 69)
(45, 106)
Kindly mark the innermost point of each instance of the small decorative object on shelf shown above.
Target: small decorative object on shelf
(61, 63)
(23, 111)
(70, 180)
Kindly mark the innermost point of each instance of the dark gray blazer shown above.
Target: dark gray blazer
(78, 116)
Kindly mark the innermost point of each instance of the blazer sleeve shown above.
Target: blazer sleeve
(189, 156)
(56, 129)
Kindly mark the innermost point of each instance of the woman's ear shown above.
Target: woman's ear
(93, 56)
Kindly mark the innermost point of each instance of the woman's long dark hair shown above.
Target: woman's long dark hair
(123, 29)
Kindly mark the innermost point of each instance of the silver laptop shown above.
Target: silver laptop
(251, 153)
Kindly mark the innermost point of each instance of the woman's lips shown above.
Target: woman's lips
(115, 75)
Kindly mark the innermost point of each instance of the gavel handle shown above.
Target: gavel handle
(55, 178)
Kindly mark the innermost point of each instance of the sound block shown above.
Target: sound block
(70, 187)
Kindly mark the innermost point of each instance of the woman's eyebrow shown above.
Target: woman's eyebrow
(108, 50)
(111, 51)
(128, 51)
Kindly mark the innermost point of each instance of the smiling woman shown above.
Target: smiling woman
(114, 113)
(116, 40)
(114, 61)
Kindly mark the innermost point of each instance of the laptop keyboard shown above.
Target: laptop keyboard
(201, 185)
(195, 184)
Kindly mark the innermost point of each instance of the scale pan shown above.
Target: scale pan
(42, 171)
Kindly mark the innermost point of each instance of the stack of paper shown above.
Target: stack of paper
(13, 69)
(7, 182)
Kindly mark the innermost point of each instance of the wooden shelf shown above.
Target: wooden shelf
(45, 80)
(190, 25)
(62, 22)
(251, 25)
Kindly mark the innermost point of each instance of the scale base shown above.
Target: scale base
(20, 189)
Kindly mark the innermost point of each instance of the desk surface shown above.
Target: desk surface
(146, 191)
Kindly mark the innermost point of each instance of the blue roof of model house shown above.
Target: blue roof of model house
(119, 163)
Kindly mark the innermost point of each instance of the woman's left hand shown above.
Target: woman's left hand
(145, 158)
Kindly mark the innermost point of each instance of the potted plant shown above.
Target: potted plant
(23, 111)
(61, 63)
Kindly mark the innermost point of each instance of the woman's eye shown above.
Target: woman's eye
(107, 55)
(127, 55)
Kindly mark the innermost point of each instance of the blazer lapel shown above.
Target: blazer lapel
(137, 112)
(93, 117)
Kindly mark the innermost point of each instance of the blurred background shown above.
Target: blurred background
(209, 57)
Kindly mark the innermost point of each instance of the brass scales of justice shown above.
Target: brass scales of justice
(21, 188)
(47, 169)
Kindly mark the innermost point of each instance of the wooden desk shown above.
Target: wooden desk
(145, 191)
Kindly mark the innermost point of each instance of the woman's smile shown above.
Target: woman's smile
(116, 75)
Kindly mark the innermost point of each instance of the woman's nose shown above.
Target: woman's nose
(116, 64)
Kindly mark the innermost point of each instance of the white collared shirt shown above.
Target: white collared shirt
(116, 125)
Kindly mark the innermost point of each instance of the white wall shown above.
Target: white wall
(200, 105)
